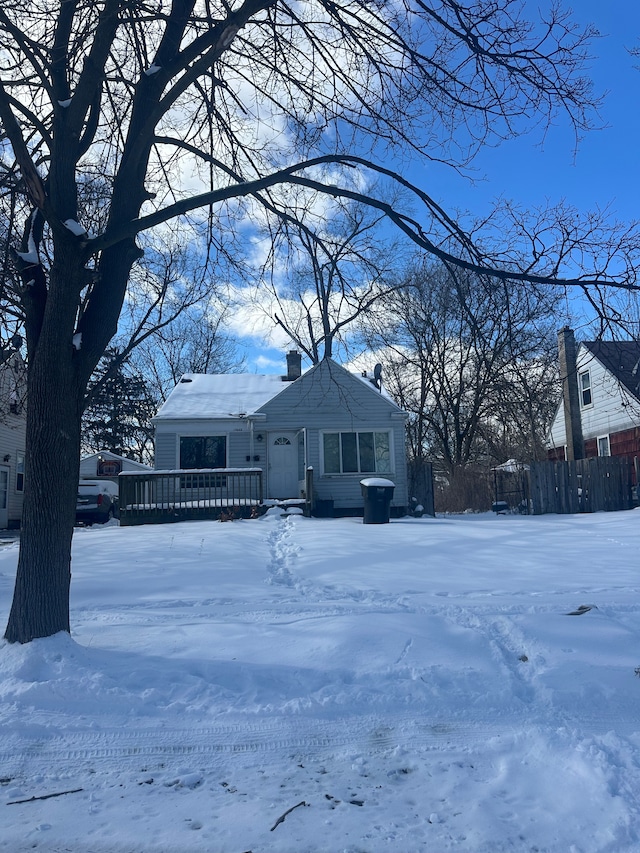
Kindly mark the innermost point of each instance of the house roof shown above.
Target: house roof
(224, 395)
(107, 454)
(235, 395)
(620, 358)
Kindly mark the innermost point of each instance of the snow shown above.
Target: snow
(30, 257)
(292, 684)
(75, 227)
(232, 395)
(77, 340)
(511, 466)
(369, 381)
(152, 69)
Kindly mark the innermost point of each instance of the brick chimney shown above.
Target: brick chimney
(294, 365)
(571, 398)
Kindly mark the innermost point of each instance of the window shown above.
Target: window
(357, 453)
(585, 388)
(207, 451)
(19, 472)
(604, 448)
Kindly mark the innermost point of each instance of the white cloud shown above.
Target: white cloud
(249, 320)
(265, 364)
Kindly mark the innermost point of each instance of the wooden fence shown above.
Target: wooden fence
(157, 497)
(585, 485)
(420, 477)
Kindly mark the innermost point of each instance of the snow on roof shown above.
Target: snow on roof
(368, 380)
(229, 395)
(511, 466)
(107, 454)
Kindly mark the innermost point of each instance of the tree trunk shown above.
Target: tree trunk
(41, 599)
(40, 605)
(62, 356)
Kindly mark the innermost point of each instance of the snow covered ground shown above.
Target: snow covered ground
(292, 684)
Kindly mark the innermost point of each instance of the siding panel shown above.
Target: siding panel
(330, 398)
(12, 441)
(165, 450)
(613, 409)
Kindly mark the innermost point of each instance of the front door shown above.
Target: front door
(283, 465)
(4, 497)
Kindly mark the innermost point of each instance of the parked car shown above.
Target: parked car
(97, 501)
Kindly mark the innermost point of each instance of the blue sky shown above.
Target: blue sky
(606, 166)
(605, 170)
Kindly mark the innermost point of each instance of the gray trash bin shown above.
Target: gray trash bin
(377, 493)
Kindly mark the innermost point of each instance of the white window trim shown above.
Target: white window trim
(582, 373)
(20, 454)
(392, 456)
(598, 440)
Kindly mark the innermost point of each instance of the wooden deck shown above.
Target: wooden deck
(160, 497)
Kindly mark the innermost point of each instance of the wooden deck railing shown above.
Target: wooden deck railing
(157, 497)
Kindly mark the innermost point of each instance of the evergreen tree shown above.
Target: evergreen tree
(118, 414)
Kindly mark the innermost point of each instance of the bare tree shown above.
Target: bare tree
(195, 342)
(13, 382)
(332, 274)
(171, 321)
(524, 401)
(471, 358)
(197, 111)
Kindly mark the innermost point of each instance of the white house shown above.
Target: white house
(340, 424)
(606, 377)
(13, 420)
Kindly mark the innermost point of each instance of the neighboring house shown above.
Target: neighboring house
(13, 421)
(605, 387)
(106, 464)
(341, 424)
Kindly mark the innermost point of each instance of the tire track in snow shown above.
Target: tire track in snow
(280, 736)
